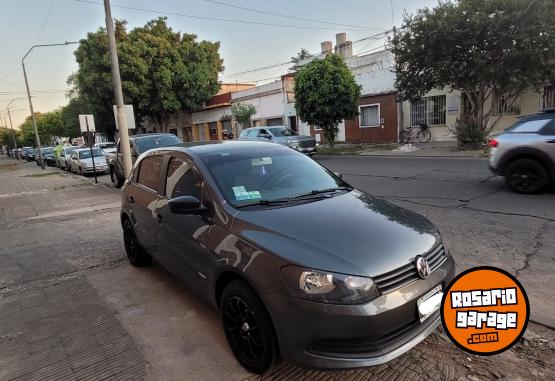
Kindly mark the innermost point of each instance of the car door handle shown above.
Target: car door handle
(159, 218)
(551, 141)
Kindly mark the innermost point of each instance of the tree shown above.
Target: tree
(325, 94)
(490, 50)
(243, 112)
(70, 116)
(302, 55)
(162, 72)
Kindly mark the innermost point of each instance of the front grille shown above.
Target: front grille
(306, 143)
(407, 274)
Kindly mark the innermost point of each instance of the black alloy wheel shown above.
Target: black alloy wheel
(526, 176)
(248, 328)
(135, 253)
(424, 136)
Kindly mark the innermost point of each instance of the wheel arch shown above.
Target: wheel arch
(527, 153)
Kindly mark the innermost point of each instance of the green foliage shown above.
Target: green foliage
(6, 137)
(480, 47)
(243, 112)
(467, 131)
(326, 93)
(162, 72)
(302, 55)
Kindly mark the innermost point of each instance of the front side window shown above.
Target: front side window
(370, 115)
(253, 133)
(270, 174)
(149, 172)
(530, 126)
(428, 110)
(182, 180)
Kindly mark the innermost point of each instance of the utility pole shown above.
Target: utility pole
(37, 138)
(121, 117)
(13, 132)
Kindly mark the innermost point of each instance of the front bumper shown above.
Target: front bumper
(330, 336)
(305, 150)
(99, 168)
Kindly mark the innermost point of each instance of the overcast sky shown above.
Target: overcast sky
(244, 46)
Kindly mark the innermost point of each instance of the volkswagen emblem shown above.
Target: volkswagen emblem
(422, 266)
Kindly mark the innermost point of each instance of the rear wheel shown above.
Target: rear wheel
(248, 328)
(526, 176)
(424, 136)
(115, 178)
(135, 253)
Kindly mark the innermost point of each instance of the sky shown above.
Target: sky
(244, 46)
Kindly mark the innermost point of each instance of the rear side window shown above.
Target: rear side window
(253, 133)
(182, 180)
(529, 126)
(149, 172)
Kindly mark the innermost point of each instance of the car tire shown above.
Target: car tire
(248, 328)
(526, 176)
(137, 256)
(116, 180)
(81, 171)
(38, 163)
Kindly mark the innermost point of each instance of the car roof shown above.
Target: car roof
(139, 136)
(208, 147)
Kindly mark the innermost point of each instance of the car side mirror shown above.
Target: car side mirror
(267, 136)
(186, 205)
(337, 174)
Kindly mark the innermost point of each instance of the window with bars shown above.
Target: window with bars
(504, 105)
(428, 110)
(549, 97)
(369, 115)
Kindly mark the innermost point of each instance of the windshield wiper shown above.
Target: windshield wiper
(265, 202)
(321, 192)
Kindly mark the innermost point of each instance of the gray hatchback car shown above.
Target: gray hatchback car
(300, 264)
(281, 135)
(525, 153)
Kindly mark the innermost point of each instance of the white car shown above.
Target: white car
(82, 162)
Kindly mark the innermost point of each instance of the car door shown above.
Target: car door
(183, 236)
(548, 140)
(74, 161)
(142, 196)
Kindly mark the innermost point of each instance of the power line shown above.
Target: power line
(375, 37)
(45, 21)
(289, 16)
(215, 18)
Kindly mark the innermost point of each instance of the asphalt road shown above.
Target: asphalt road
(483, 222)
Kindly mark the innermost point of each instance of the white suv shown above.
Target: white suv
(525, 153)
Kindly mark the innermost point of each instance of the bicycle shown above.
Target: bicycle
(422, 133)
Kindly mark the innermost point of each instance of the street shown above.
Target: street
(71, 307)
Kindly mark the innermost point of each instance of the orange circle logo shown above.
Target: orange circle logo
(485, 310)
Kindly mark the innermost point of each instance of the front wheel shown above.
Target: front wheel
(248, 328)
(424, 136)
(526, 176)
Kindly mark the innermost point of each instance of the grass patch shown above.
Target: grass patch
(41, 174)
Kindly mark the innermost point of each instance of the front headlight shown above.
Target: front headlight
(328, 287)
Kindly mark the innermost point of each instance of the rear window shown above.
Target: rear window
(157, 141)
(149, 172)
(529, 126)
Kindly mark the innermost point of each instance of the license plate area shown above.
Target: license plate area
(429, 303)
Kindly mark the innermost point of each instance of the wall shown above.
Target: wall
(386, 132)
(530, 102)
(268, 100)
(453, 105)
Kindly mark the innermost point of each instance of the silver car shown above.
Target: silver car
(82, 162)
(281, 135)
(525, 153)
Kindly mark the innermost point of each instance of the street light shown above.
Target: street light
(11, 125)
(37, 138)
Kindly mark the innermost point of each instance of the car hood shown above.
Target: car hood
(296, 138)
(352, 233)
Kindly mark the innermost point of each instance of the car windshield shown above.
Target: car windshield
(150, 142)
(280, 131)
(46, 150)
(87, 154)
(69, 150)
(248, 176)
